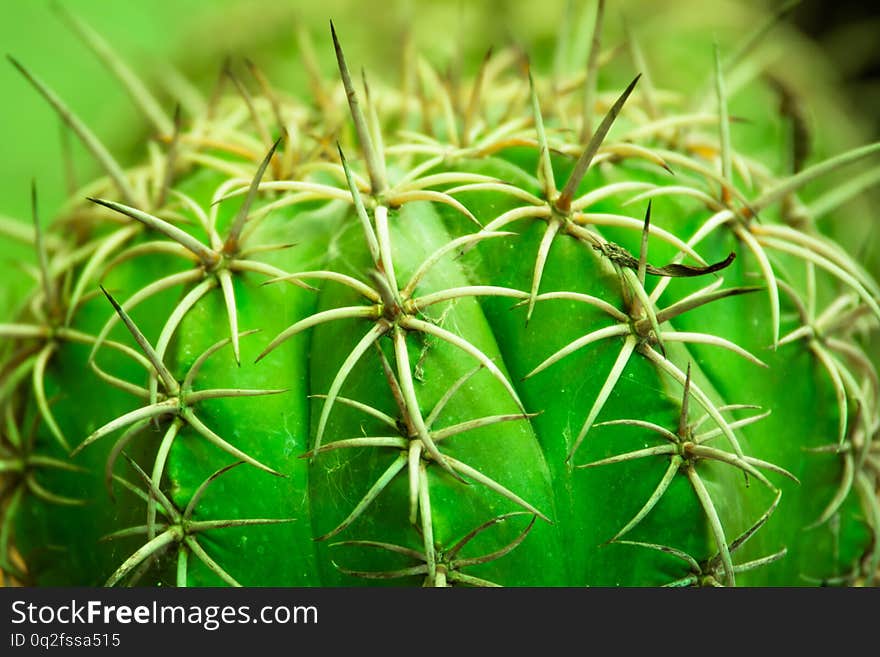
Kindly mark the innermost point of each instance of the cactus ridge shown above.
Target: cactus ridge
(423, 297)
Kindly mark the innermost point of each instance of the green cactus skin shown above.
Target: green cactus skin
(514, 330)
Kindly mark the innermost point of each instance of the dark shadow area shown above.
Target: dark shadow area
(849, 32)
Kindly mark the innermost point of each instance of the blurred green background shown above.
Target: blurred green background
(146, 33)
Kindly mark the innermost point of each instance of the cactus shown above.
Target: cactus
(518, 328)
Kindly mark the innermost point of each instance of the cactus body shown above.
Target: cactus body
(515, 330)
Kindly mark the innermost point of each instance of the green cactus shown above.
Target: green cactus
(512, 328)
